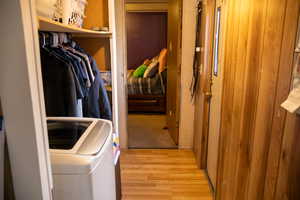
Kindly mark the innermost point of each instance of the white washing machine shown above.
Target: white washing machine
(82, 158)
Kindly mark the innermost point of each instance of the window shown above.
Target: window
(216, 45)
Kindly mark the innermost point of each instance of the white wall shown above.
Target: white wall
(186, 128)
(120, 71)
(22, 100)
(1, 159)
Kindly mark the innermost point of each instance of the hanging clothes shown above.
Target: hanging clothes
(97, 94)
(71, 79)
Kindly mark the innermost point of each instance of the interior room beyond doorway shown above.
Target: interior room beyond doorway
(148, 54)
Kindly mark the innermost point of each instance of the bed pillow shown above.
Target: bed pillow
(147, 62)
(162, 60)
(152, 70)
(155, 58)
(139, 72)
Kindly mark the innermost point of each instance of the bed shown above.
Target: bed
(147, 94)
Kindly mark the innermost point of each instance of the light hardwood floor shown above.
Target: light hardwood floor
(162, 175)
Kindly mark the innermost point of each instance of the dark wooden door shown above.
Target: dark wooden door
(174, 64)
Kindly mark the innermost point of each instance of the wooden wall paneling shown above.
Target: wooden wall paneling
(246, 81)
(251, 29)
(270, 60)
(293, 183)
(283, 87)
(285, 188)
(228, 136)
(240, 93)
(222, 185)
(201, 124)
(244, 96)
(257, 68)
(99, 49)
(96, 14)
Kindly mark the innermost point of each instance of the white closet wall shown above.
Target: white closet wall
(21, 97)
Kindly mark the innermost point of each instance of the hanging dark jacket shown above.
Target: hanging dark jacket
(59, 86)
(97, 95)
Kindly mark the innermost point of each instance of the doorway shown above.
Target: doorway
(152, 73)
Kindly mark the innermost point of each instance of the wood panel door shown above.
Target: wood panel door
(216, 98)
(174, 64)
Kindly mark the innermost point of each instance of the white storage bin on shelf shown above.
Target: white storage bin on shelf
(70, 12)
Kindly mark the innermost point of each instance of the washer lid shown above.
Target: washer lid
(81, 136)
(88, 150)
(94, 138)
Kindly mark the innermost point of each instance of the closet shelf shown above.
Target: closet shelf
(53, 26)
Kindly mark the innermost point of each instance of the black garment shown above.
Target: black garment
(67, 80)
(62, 55)
(59, 86)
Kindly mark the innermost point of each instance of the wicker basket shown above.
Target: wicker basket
(45, 8)
(70, 12)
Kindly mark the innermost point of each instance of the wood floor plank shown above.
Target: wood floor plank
(162, 175)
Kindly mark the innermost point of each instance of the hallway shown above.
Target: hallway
(146, 131)
(162, 175)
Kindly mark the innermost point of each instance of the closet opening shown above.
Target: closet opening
(77, 44)
(152, 42)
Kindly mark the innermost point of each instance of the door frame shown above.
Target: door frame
(121, 41)
(21, 92)
(203, 95)
(120, 78)
(169, 108)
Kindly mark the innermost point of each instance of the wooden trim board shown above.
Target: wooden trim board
(50, 25)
